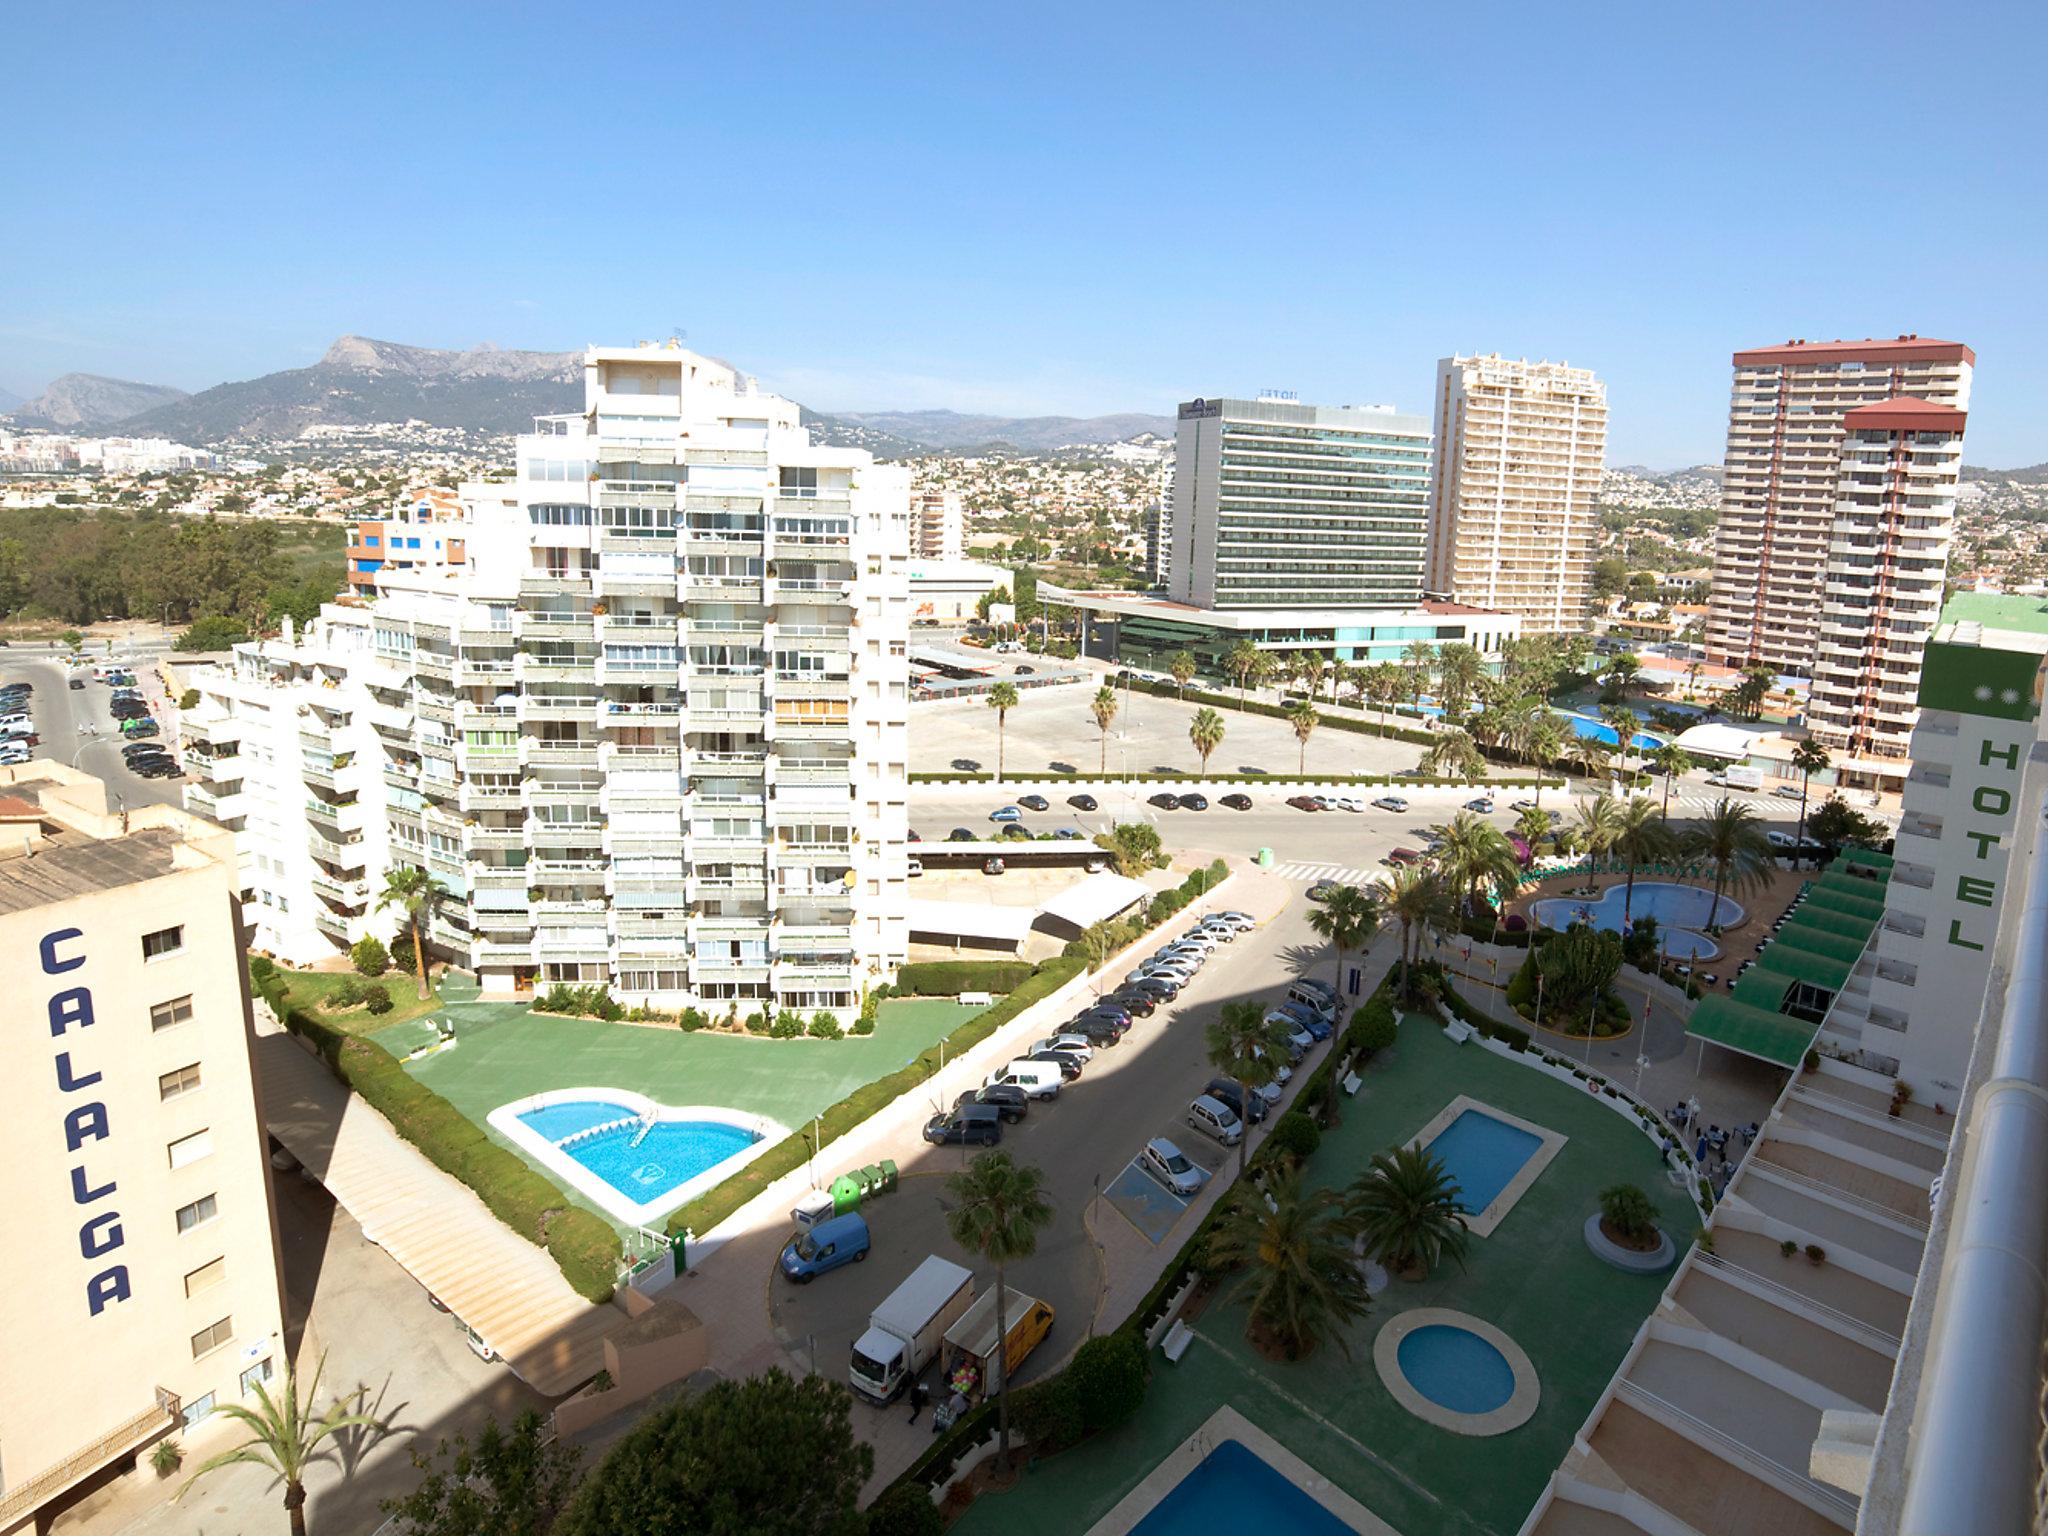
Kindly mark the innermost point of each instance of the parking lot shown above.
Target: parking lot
(74, 726)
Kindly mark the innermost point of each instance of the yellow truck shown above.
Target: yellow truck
(970, 1365)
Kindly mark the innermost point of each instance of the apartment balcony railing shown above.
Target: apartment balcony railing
(809, 729)
(559, 754)
(540, 706)
(742, 764)
(556, 669)
(485, 674)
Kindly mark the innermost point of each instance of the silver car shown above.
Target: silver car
(1163, 1161)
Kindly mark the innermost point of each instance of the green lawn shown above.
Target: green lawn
(1533, 1278)
(308, 989)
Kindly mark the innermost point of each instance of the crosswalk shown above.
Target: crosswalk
(1343, 874)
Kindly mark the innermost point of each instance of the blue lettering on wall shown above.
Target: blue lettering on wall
(66, 1081)
(51, 964)
(101, 1235)
(81, 1195)
(86, 1123)
(71, 1007)
(71, 1010)
(108, 1285)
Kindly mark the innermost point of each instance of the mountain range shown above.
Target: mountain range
(86, 402)
(899, 432)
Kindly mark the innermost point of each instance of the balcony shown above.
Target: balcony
(807, 729)
(485, 674)
(728, 764)
(494, 797)
(554, 582)
(693, 587)
(497, 757)
(331, 923)
(635, 583)
(556, 669)
(218, 730)
(541, 706)
(820, 771)
(558, 754)
(554, 626)
(494, 837)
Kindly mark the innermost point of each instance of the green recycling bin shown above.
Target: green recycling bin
(870, 1179)
(1263, 858)
(845, 1194)
(888, 1171)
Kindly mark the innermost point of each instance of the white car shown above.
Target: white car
(1163, 1161)
(1346, 803)
(1177, 969)
(1390, 803)
(1205, 942)
(1072, 1045)
(1236, 922)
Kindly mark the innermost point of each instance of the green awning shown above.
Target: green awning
(1867, 858)
(1764, 988)
(1752, 1031)
(1871, 883)
(1854, 903)
(1823, 971)
(1848, 925)
(1801, 934)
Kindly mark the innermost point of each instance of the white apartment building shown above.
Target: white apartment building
(1520, 449)
(652, 734)
(1887, 562)
(1781, 487)
(1276, 504)
(938, 526)
(139, 1286)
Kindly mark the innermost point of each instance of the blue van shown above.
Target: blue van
(842, 1240)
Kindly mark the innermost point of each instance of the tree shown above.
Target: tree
(999, 1209)
(1206, 732)
(1809, 757)
(1622, 672)
(1641, 836)
(1625, 723)
(1531, 825)
(1243, 663)
(1627, 1212)
(1002, 698)
(1295, 1245)
(1309, 667)
(1304, 719)
(1418, 900)
(286, 1436)
(1182, 666)
(1409, 1212)
(1453, 755)
(1459, 670)
(416, 893)
(1348, 918)
(768, 1455)
(1134, 845)
(1597, 826)
(1103, 707)
(1838, 824)
(1248, 1050)
(1475, 854)
(1024, 586)
(1732, 839)
(369, 956)
(1384, 684)
(1546, 745)
(1610, 576)
(1577, 967)
(1418, 664)
(507, 1482)
(1589, 755)
(212, 633)
(1671, 761)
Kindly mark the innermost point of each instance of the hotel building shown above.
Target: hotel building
(938, 527)
(652, 735)
(1520, 448)
(1276, 504)
(1782, 486)
(139, 1287)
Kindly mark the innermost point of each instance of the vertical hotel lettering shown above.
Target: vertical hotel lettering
(85, 1122)
(1992, 800)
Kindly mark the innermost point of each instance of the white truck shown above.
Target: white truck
(906, 1331)
(1740, 777)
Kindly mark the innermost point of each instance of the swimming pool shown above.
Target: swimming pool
(633, 1157)
(1482, 1154)
(1680, 910)
(1456, 1369)
(1584, 726)
(1233, 1489)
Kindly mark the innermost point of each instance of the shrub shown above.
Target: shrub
(946, 978)
(347, 993)
(1373, 1026)
(1626, 1209)
(1788, 1247)
(212, 632)
(261, 969)
(690, 1020)
(905, 1509)
(1294, 1135)
(168, 1455)
(787, 1026)
(757, 1023)
(377, 998)
(1049, 1413)
(586, 1249)
(1816, 1253)
(369, 956)
(189, 699)
(825, 1027)
(1108, 1373)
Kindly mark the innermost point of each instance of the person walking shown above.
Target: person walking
(918, 1398)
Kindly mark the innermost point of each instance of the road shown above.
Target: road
(76, 728)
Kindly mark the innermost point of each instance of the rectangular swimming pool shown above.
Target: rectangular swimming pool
(1234, 1490)
(1483, 1154)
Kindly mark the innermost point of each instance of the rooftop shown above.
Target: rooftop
(1905, 348)
(59, 871)
(59, 840)
(1998, 610)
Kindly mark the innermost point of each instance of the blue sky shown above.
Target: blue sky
(1038, 208)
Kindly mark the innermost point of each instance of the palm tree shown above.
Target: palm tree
(1103, 707)
(1418, 662)
(1242, 663)
(1454, 755)
(1809, 757)
(1459, 670)
(1475, 853)
(1598, 825)
(1532, 824)
(1309, 668)
(1546, 745)
(1384, 684)
(1348, 918)
(1622, 672)
(1341, 677)
(999, 1207)
(1183, 667)
(1002, 698)
(1304, 719)
(1408, 1211)
(285, 1436)
(1732, 840)
(416, 893)
(1295, 1245)
(1624, 722)
(1692, 679)
(1247, 1050)
(1641, 836)
(1671, 761)
(1206, 732)
(1589, 755)
(1417, 899)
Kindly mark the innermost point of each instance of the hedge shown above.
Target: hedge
(583, 1246)
(946, 978)
(1360, 726)
(1362, 780)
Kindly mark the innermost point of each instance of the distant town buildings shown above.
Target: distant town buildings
(1520, 449)
(57, 453)
(1282, 505)
(425, 533)
(140, 1274)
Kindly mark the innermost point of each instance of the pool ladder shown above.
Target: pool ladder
(592, 1132)
(646, 1125)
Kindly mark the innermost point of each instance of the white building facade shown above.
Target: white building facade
(938, 526)
(653, 734)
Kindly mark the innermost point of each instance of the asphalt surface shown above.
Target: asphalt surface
(76, 728)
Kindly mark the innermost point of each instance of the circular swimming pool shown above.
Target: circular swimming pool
(1456, 1369)
(1681, 912)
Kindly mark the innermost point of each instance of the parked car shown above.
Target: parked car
(1032, 802)
(1309, 1019)
(1347, 803)
(1240, 921)
(1391, 803)
(1141, 1004)
(1081, 802)
(962, 835)
(1159, 988)
(1163, 801)
(78, 685)
(1016, 832)
(1237, 802)
(839, 1240)
(1037, 1079)
(1008, 1102)
(1480, 803)
(1115, 1013)
(1787, 791)
(1205, 942)
(1070, 1065)
(1165, 1162)
(1068, 834)
(1304, 802)
(1073, 1044)
(158, 768)
(1194, 802)
(1006, 813)
(1299, 1040)
(1523, 804)
(1216, 1120)
(1224, 1091)
(971, 1125)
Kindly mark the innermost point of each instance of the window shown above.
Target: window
(183, 1080)
(211, 1338)
(168, 1015)
(198, 1409)
(259, 1372)
(206, 1277)
(187, 1150)
(198, 1213)
(165, 941)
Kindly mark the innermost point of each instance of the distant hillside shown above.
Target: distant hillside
(8, 400)
(2032, 474)
(483, 389)
(953, 431)
(87, 402)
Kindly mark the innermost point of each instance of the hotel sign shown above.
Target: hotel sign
(69, 1009)
(1196, 410)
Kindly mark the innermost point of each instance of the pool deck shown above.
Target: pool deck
(1482, 1222)
(1761, 906)
(1533, 1279)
